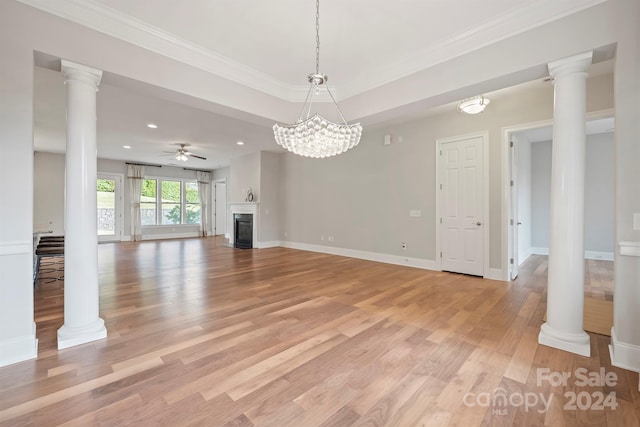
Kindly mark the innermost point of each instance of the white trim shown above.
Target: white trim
(505, 190)
(214, 198)
(114, 23)
(271, 244)
(509, 24)
(597, 255)
(19, 349)
(496, 274)
(425, 264)
(169, 236)
(605, 256)
(16, 247)
(485, 200)
(624, 355)
(629, 248)
(522, 257)
(539, 251)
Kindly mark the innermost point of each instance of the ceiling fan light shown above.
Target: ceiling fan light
(473, 105)
(181, 157)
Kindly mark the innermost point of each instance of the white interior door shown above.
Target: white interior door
(109, 209)
(461, 204)
(221, 207)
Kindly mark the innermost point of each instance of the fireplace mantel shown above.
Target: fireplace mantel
(243, 208)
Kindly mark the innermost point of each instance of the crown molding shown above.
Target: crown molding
(509, 24)
(111, 22)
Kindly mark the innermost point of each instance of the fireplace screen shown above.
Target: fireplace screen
(243, 231)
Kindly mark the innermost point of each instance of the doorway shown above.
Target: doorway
(461, 205)
(527, 156)
(109, 207)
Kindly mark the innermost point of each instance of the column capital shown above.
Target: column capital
(573, 64)
(75, 71)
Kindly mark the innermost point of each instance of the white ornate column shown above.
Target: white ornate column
(565, 284)
(81, 318)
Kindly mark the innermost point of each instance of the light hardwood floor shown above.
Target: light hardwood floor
(202, 334)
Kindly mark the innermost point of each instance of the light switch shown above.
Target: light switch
(636, 221)
(415, 213)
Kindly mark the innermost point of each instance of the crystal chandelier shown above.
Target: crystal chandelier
(315, 136)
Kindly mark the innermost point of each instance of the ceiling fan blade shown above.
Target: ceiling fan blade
(169, 152)
(197, 157)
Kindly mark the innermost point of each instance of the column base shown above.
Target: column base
(573, 343)
(69, 336)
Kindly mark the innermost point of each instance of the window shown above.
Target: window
(171, 198)
(192, 203)
(148, 202)
(169, 202)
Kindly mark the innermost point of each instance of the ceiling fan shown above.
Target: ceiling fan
(182, 154)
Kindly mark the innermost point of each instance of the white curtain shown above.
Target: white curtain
(135, 175)
(204, 192)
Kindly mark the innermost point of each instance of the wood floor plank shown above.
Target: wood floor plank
(204, 334)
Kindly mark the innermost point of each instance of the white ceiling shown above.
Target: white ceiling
(269, 46)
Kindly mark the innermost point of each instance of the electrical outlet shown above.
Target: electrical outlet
(404, 245)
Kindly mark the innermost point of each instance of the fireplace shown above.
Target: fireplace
(243, 230)
(245, 211)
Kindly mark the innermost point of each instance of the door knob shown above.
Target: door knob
(478, 223)
(519, 223)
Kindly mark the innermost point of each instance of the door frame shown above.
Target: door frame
(119, 205)
(214, 212)
(508, 250)
(484, 135)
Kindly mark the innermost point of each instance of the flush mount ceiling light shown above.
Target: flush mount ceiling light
(473, 105)
(315, 136)
(152, 126)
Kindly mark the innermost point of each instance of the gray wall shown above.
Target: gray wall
(363, 197)
(599, 193)
(244, 173)
(270, 196)
(48, 192)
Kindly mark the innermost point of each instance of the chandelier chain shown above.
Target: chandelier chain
(317, 36)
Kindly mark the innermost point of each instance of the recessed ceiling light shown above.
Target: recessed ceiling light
(152, 126)
(126, 146)
(240, 143)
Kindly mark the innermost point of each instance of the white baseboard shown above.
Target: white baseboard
(607, 256)
(623, 355)
(522, 257)
(539, 251)
(19, 349)
(164, 236)
(497, 274)
(271, 244)
(425, 264)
